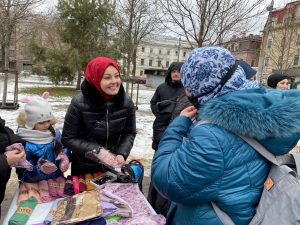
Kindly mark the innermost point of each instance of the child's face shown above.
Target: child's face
(42, 126)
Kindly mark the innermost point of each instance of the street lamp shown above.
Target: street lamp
(179, 45)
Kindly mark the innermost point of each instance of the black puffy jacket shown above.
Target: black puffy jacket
(91, 123)
(7, 137)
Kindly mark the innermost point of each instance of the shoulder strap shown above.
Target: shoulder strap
(286, 159)
(225, 219)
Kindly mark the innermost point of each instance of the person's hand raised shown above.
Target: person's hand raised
(189, 112)
(14, 156)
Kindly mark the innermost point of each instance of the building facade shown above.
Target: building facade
(155, 55)
(245, 47)
(280, 50)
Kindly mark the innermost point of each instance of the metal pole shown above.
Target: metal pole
(178, 56)
(137, 95)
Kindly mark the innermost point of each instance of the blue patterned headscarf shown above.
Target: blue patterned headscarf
(204, 70)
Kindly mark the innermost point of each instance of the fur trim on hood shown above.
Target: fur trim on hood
(257, 113)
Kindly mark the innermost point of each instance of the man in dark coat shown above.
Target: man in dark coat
(163, 104)
(7, 137)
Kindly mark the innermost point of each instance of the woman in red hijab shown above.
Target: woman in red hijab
(100, 125)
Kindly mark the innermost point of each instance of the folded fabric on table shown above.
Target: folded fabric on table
(123, 209)
(131, 195)
(108, 208)
(98, 221)
(69, 188)
(82, 185)
(88, 178)
(23, 212)
(60, 186)
(78, 208)
(53, 186)
(44, 191)
(23, 194)
(33, 191)
(49, 217)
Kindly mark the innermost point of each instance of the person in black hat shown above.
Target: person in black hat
(249, 71)
(278, 81)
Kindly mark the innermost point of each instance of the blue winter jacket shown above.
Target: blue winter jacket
(34, 152)
(196, 164)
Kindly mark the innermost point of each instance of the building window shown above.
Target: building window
(269, 43)
(167, 64)
(253, 62)
(142, 62)
(184, 54)
(267, 61)
(12, 65)
(151, 50)
(296, 60)
(150, 62)
(143, 49)
(159, 51)
(176, 53)
(159, 63)
(141, 73)
(168, 52)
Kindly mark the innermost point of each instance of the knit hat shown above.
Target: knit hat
(37, 110)
(95, 70)
(275, 78)
(249, 71)
(203, 72)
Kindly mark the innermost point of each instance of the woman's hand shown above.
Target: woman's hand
(14, 156)
(120, 160)
(189, 112)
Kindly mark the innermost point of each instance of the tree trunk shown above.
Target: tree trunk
(78, 80)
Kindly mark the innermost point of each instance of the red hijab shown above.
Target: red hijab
(95, 70)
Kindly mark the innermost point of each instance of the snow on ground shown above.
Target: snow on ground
(144, 118)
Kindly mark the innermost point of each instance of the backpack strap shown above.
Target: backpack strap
(225, 219)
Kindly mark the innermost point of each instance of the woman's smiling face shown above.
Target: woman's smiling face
(111, 81)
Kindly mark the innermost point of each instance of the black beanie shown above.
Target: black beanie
(273, 79)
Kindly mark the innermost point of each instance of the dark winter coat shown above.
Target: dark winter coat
(91, 123)
(163, 103)
(7, 137)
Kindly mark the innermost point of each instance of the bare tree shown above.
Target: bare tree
(209, 21)
(134, 20)
(11, 13)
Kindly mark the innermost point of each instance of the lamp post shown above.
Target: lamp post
(179, 45)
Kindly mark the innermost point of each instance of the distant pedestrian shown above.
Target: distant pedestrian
(167, 101)
(278, 81)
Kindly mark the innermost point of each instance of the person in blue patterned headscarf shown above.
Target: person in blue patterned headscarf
(206, 68)
(198, 163)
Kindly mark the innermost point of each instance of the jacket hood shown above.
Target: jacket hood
(270, 116)
(173, 66)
